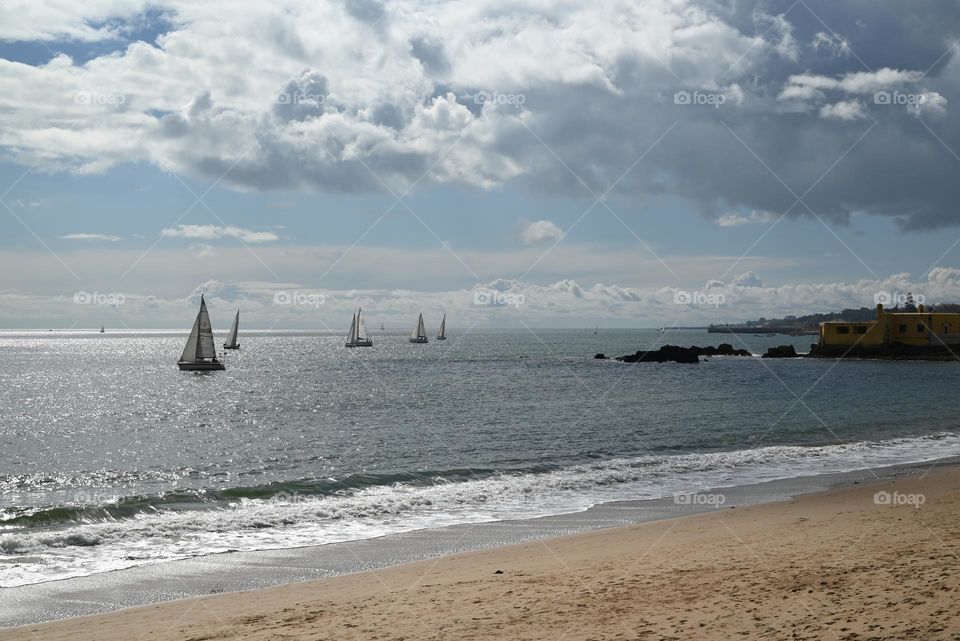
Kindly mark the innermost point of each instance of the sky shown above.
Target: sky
(509, 163)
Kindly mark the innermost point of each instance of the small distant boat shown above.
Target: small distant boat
(596, 329)
(442, 333)
(382, 328)
(103, 329)
(419, 334)
(362, 340)
(200, 354)
(232, 336)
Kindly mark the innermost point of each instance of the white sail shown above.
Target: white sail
(361, 328)
(190, 351)
(232, 336)
(205, 346)
(200, 344)
(352, 336)
(421, 331)
(442, 334)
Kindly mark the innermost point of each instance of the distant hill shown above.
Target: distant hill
(811, 321)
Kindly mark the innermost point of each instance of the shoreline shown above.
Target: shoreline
(832, 564)
(243, 572)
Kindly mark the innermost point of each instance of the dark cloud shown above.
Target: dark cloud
(430, 52)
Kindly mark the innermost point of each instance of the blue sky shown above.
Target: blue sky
(296, 124)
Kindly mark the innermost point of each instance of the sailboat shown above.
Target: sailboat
(362, 340)
(419, 334)
(103, 329)
(232, 336)
(442, 334)
(200, 354)
(382, 327)
(352, 336)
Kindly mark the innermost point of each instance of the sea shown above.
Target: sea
(113, 458)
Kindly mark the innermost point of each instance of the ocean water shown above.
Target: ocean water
(111, 457)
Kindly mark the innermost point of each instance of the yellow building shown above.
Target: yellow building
(919, 328)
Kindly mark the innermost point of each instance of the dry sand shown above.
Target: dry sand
(834, 565)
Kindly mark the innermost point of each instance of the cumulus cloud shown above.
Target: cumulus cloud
(213, 232)
(539, 232)
(747, 279)
(365, 96)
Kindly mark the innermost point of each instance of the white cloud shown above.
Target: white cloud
(30, 20)
(928, 103)
(345, 97)
(832, 43)
(844, 110)
(514, 303)
(806, 86)
(747, 279)
(213, 232)
(85, 236)
(782, 31)
(539, 232)
(734, 219)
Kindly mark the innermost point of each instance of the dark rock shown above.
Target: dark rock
(499, 572)
(781, 351)
(667, 353)
(676, 354)
(723, 349)
(601, 356)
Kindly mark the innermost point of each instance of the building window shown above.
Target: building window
(903, 329)
(919, 329)
(859, 330)
(843, 330)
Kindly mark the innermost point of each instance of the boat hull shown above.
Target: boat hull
(441, 338)
(420, 340)
(237, 346)
(202, 366)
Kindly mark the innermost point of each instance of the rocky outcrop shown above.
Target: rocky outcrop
(677, 354)
(781, 351)
(723, 349)
(601, 356)
(667, 353)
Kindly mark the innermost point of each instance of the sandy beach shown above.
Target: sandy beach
(845, 564)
